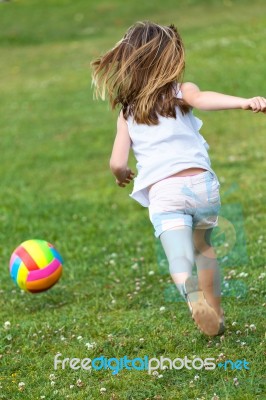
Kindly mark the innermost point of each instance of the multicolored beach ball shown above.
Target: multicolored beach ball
(35, 266)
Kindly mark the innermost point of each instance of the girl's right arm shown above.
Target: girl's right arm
(211, 101)
(120, 152)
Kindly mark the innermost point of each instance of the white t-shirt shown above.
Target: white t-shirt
(161, 150)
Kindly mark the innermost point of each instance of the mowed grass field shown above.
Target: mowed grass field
(115, 297)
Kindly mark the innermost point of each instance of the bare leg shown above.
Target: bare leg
(208, 269)
(178, 247)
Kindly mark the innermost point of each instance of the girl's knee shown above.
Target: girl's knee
(202, 240)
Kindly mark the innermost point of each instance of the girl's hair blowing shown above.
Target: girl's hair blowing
(141, 71)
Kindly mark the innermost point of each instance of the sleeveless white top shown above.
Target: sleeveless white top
(161, 150)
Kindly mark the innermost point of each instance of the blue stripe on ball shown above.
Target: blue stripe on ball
(15, 268)
(56, 254)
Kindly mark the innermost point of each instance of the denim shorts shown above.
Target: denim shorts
(185, 200)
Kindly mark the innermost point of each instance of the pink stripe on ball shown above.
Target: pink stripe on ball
(45, 272)
(13, 257)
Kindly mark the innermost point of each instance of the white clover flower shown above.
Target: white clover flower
(235, 380)
(9, 337)
(141, 340)
(52, 377)
(162, 308)
(134, 266)
(103, 390)
(238, 332)
(7, 325)
(71, 386)
(196, 377)
(151, 272)
(262, 275)
(79, 338)
(79, 383)
(21, 385)
(155, 373)
(90, 345)
(52, 383)
(234, 323)
(160, 376)
(242, 275)
(252, 327)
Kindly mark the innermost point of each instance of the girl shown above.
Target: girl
(143, 75)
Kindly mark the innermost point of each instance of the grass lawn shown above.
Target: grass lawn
(115, 298)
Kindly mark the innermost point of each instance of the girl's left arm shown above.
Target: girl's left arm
(120, 152)
(211, 101)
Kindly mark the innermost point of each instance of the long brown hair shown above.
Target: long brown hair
(140, 73)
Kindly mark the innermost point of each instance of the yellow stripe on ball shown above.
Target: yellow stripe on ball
(33, 248)
(22, 276)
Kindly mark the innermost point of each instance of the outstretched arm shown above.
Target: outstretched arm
(119, 156)
(211, 101)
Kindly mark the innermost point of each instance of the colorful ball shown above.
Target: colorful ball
(35, 266)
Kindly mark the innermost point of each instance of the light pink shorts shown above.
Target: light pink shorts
(185, 200)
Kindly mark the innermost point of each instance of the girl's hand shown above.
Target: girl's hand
(256, 104)
(125, 178)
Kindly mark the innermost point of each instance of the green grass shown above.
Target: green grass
(56, 185)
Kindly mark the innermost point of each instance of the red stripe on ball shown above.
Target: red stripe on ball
(26, 258)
